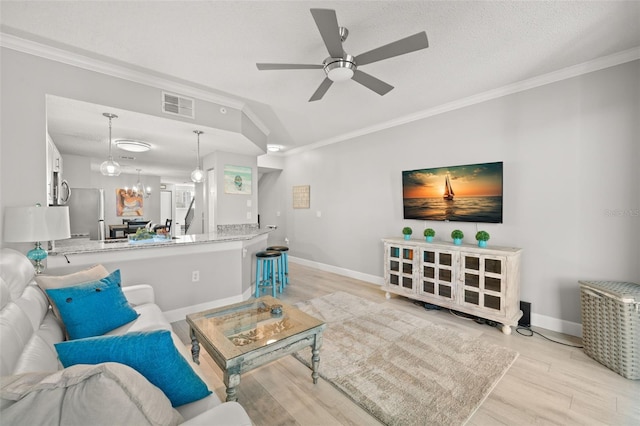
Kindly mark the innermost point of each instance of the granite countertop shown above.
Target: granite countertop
(84, 245)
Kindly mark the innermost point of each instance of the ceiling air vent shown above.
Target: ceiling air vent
(177, 105)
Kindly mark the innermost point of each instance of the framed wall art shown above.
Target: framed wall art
(237, 180)
(129, 203)
(301, 197)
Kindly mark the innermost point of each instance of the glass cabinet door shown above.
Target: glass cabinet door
(437, 273)
(400, 269)
(483, 281)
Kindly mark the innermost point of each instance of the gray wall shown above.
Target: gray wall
(571, 193)
(232, 208)
(25, 81)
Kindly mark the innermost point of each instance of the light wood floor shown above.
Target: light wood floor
(548, 384)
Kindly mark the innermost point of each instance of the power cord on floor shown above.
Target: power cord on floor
(462, 315)
(532, 332)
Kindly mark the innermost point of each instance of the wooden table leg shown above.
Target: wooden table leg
(231, 381)
(195, 348)
(315, 357)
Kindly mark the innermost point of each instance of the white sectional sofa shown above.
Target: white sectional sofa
(36, 389)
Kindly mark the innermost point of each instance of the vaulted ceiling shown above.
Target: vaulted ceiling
(474, 47)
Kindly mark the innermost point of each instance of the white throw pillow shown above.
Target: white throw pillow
(102, 394)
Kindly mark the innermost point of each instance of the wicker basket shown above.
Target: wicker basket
(611, 325)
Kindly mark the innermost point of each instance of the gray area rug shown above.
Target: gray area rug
(402, 369)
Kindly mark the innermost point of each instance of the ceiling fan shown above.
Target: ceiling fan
(340, 66)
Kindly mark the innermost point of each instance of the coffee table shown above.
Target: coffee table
(246, 335)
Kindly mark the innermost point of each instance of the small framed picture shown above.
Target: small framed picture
(301, 197)
(237, 180)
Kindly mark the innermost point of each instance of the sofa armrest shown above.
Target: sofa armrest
(139, 294)
(228, 413)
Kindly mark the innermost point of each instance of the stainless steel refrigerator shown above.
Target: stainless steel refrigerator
(86, 213)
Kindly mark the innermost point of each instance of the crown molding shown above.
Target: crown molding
(552, 77)
(56, 54)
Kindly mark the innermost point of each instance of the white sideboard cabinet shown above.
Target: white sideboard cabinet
(484, 282)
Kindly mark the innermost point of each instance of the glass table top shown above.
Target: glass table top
(240, 328)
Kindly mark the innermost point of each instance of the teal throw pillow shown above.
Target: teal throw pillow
(152, 354)
(93, 308)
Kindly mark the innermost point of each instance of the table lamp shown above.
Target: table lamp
(36, 224)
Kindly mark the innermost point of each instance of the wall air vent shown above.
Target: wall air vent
(178, 105)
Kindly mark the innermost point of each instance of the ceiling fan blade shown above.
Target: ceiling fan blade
(397, 48)
(319, 93)
(370, 82)
(327, 23)
(265, 67)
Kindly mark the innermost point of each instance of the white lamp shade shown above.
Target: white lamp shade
(32, 224)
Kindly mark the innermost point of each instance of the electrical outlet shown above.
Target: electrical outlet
(195, 276)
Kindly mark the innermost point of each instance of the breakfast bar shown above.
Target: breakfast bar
(189, 273)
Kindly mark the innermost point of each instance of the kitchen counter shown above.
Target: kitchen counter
(189, 274)
(84, 245)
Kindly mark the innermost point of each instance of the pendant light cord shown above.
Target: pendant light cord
(110, 156)
(198, 156)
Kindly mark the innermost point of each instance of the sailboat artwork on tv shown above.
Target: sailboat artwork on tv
(469, 193)
(448, 191)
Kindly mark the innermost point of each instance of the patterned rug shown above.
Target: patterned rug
(402, 369)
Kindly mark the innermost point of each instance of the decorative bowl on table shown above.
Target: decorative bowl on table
(276, 310)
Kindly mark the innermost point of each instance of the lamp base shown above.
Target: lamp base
(37, 254)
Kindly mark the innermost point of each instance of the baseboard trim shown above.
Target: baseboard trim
(340, 271)
(537, 320)
(556, 324)
(181, 313)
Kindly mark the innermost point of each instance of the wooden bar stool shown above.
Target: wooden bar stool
(267, 265)
(284, 262)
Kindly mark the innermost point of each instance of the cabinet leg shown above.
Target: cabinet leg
(506, 329)
(387, 296)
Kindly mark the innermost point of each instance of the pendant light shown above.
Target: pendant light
(110, 167)
(198, 175)
(139, 188)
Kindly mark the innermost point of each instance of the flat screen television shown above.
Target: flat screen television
(468, 193)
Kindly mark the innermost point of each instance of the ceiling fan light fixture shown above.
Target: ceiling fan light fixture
(132, 145)
(340, 69)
